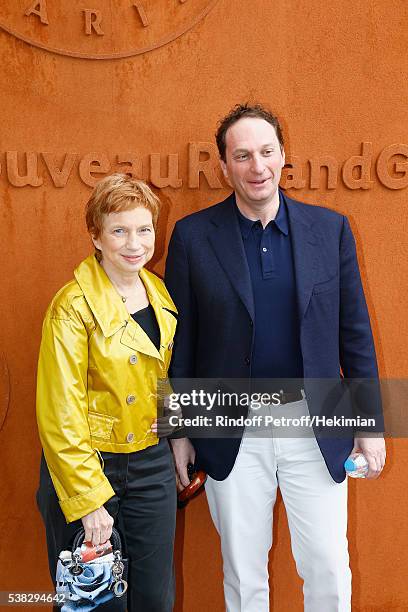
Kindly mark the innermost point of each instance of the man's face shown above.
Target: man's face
(254, 161)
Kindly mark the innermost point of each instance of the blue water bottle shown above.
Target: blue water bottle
(356, 466)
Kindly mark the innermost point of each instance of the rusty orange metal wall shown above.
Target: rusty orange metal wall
(335, 72)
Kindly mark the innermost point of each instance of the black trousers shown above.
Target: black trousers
(144, 509)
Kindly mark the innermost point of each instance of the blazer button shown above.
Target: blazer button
(130, 399)
(247, 360)
(133, 359)
(171, 345)
(130, 437)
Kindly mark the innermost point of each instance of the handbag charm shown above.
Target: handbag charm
(86, 584)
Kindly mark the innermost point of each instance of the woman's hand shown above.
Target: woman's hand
(161, 425)
(98, 526)
(162, 428)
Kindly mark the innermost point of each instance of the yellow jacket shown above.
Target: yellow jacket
(97, 382)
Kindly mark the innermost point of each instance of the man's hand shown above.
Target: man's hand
(98, 526)
(184, 454)
(373, 450)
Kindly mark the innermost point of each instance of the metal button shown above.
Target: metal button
(247, 360)
(130, 437)
(264, 249)
(133, 359)
(130, 399)
(171, 345)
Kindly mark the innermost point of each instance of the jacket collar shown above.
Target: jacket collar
(111, 313)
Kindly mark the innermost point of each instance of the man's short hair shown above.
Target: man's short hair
(239, 112)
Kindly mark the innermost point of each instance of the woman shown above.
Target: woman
(106, 343)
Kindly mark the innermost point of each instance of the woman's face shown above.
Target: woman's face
(126, 241)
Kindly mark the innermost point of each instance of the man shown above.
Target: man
(267, 287)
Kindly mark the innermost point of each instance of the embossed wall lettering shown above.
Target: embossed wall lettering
(131, 164)
(59, 175)
(207, 166)
(93, 21)
(329, 164)
(292, 175)
(389, 167)
(356, 171)
(25, 173)
(172, 179)
(395, 177)
(142, 13)
(39, 9)
(93, 163)
(101, 29)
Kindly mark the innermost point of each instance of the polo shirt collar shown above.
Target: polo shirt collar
(281, 219)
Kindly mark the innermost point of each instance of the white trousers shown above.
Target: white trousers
(241, 508)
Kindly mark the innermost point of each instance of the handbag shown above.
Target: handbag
(99, 583)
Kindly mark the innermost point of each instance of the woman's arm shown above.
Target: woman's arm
(62, 408)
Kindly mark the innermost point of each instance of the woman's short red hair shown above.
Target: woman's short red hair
(115, 193)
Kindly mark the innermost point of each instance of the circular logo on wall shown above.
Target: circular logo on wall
(101, 29)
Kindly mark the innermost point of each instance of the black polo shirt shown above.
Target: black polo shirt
(276, 351)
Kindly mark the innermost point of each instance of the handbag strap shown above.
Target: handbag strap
(115, 539)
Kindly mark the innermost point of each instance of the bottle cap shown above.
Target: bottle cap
(349, 465)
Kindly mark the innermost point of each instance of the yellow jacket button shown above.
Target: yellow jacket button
(171, 345)
(133, 359)
(130, 437)
(130, 399)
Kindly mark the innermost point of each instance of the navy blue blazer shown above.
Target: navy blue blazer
(208, 278)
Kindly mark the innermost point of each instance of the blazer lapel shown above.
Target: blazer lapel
(305, 253)
(226, 241)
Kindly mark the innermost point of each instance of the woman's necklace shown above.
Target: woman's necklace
(136, 292)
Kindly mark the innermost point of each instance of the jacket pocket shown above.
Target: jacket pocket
(100, 425)
(328, 285)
